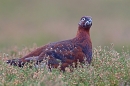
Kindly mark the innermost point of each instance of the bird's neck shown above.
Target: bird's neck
(83, 33)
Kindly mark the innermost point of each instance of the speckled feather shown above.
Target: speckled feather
(64, 52)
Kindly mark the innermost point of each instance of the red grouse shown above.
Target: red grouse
(64, 52)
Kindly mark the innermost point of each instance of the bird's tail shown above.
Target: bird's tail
(15, 62)
(21, 62)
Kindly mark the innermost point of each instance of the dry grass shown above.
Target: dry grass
(108, 68)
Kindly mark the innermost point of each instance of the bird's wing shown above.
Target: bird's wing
(64, 52)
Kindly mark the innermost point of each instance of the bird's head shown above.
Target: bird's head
(85, 22)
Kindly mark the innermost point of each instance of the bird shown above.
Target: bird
(63, 53)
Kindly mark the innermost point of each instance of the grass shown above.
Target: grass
(108, 68)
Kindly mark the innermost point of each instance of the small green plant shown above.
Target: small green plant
(108, 68)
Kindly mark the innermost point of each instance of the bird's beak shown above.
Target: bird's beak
(89, 22)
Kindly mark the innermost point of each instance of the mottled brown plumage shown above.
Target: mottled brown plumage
(64, 52)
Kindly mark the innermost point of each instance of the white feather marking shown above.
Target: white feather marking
(55, 50)
(34, 58)
(46, 49)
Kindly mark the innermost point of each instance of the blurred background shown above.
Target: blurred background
(24, 22)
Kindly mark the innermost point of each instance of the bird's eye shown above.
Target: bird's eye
(83, 19)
